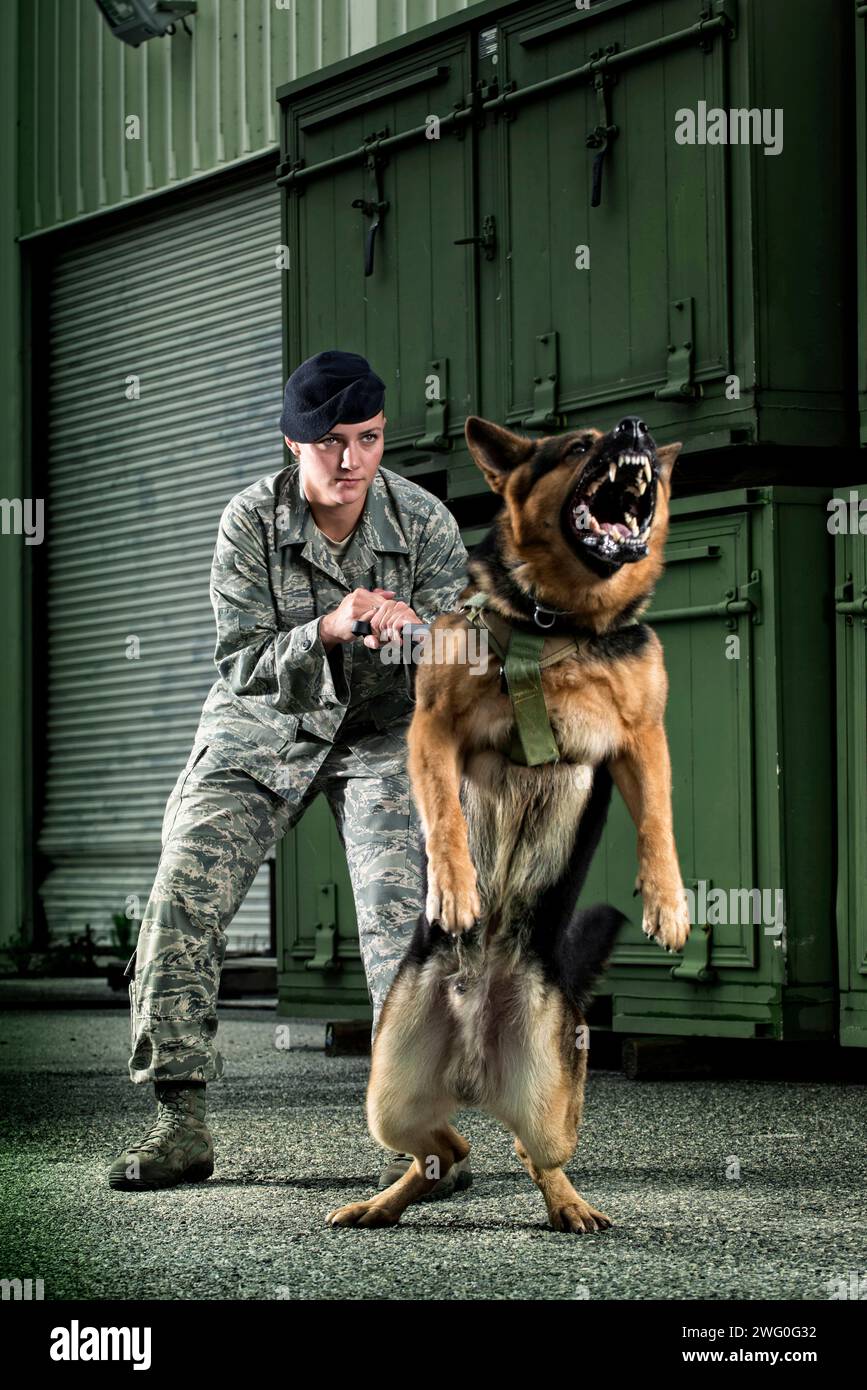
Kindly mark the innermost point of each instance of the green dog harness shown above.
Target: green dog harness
(523, 656)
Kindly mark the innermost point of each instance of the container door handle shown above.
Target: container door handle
(372, 207)
(845, 601)
(487, 240)
(604, 132)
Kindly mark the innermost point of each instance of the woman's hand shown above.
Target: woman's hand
(360, 603)
(387, 622)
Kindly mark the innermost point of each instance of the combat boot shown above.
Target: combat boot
(177, 1148)
(457, 1179)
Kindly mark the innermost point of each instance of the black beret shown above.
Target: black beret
(328, 388)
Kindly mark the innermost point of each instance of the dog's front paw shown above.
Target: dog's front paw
(366, 1214)
(453, 897)
(666, 916)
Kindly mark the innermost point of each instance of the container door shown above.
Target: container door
(591, 309)
(374, 267)
(710, 723)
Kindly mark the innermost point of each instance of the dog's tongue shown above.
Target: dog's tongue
(616, 528)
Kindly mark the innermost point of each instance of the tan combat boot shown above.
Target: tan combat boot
(457, 1179)
(177, 1148)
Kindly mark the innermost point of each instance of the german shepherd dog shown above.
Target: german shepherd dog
(487, 1008)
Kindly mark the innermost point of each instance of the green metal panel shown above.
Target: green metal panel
(850, 605)
(204, 102)
(750, 727)
(319, 968)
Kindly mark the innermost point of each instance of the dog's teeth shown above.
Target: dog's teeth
(642, 486)
(632, 524)
(648, 471)
(594, 524)
(612, 472)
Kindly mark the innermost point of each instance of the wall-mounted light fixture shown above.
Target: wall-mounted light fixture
(135, 21)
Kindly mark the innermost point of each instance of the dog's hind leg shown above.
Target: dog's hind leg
(543, 1109)
(408, 1105)
(434, 1151)
(567, 1209)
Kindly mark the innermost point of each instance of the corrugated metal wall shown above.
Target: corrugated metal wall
(203, 102)
(187, 302)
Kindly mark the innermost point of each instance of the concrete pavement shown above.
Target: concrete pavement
(721, 1189)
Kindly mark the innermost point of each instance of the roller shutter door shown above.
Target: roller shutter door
(188, 302)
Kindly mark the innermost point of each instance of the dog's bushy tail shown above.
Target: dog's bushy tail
(584, 948)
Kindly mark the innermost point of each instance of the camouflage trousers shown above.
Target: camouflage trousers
(218, 827)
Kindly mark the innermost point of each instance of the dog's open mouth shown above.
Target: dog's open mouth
(610, 512)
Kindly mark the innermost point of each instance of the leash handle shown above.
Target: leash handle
(361, 628)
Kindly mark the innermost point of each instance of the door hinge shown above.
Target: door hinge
(747, 598)
(435, 437)
(325, 934)
(545, 384)
(695, 963)
(681, 341)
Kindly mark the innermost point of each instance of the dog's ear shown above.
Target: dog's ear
(495, 450)
(666, 457)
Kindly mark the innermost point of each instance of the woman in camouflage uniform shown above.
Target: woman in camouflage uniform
(300, 707)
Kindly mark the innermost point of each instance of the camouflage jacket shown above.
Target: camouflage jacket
(273, 578)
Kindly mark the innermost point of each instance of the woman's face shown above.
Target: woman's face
(339, 467)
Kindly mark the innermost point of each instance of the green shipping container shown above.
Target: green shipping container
(745, 614)
(439, 217)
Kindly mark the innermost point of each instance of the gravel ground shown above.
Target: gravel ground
(719, 1189)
